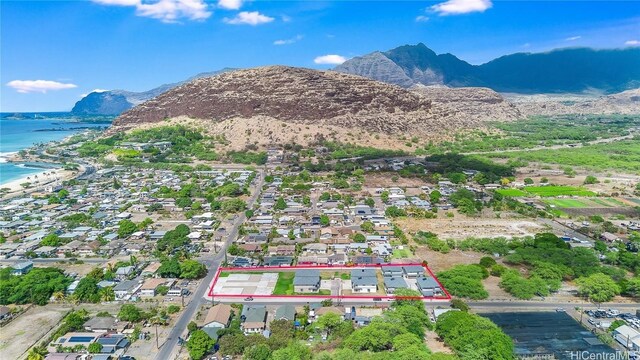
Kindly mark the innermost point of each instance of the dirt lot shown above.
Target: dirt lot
(28, 328)
(438, 261)
(462, 228)
(378, 180)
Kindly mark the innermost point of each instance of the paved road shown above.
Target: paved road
(566, 230)
(54, 260)
(167, 349)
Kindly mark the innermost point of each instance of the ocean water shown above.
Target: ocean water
(23, 130)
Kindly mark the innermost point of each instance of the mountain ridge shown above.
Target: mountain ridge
(566, 70)
(115, 102)
(278, 104)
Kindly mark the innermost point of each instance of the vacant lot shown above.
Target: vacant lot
(462, 228)
(284, 285)
(29, 328)
(246, 284)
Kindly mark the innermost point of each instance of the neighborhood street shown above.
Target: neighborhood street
(167, 349)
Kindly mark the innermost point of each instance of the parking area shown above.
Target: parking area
(246, 284)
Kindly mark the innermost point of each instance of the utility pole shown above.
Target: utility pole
(157, 341)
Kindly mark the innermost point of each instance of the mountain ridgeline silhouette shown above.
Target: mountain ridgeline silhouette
(569, 70)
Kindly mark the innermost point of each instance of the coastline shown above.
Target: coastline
(43, 178)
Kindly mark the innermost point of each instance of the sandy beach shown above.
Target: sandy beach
(38, 181)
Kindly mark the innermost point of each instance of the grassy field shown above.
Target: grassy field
(550, 191)
(620, 155)
(566, 203)
(284, 285)
(401, 253)
(546, 191)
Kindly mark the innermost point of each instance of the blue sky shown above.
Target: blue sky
(52, 52)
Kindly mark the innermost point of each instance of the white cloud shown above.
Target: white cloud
(457, 7)
(330, 59)
(230, 4)
(118, 2)
(422, 18)
(248, 18)
(168, 11)
(573, 38)
(41, 86)
(288, 41)
(92, 91)
(285, 18)
(632, 42)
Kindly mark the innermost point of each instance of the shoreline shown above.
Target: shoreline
(38, 180)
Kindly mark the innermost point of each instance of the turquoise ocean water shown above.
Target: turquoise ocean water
(21, 131)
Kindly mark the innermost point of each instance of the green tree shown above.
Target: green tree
(590, 179)
(51, 240)
(487, 262)
(126, 227)
(233, 344)
(359, 238)
(170, 268)
(280, 204)
(94, 348)
(435, 196)
(192, 269)
(598, 287)
(324, 220)
(37, 353)
(459, 304)
(199, 344)
(528, 181)
(633, 286)
(367, 226)
(294, 351)
(463, 331)
(328, 322)
(257, 352)
(130, 312)
(87, 290)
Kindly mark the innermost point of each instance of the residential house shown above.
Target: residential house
(148, 288)
(627, 337)
(428, 286)
(217, 318)
(315, 248)
(364, 281)
(122, 273)
(285, 312)
(306, 281)
(101, 324)
(392, 271)
(391, 284)
(254, 319)
(22, 268)
(413, 271)
(125, 289)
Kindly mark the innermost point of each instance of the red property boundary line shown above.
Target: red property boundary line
(447, 296)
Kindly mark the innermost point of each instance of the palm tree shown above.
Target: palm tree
(58, 296)
(107, 294)
(37, 353)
